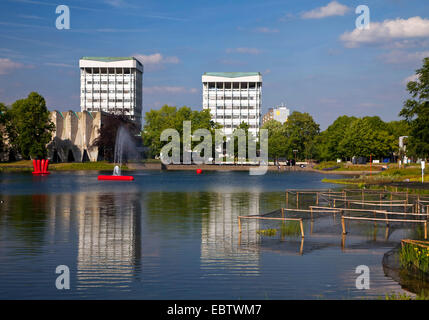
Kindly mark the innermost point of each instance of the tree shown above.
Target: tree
(107, 139)
(332, 136)
(277, 141)
(416, 112)
(169, 117)
(30, 129)
(367, 136)
(3, 119)
(301, 131)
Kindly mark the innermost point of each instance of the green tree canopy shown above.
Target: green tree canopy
(169, 117)
(365, 137)
(3, 119)
(301, 131)
(332, 136)
(277, 141)
(29, 128)
(416, 112)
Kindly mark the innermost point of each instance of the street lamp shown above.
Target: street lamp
(295, 151)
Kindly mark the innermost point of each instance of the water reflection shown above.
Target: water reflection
(109, 244)
(221, 251)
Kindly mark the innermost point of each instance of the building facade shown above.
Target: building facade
(113, 85)
(233, 98)
(280, 114)
(74, 136)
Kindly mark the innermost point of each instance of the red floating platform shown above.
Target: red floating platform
(40, 173)
(116, 178)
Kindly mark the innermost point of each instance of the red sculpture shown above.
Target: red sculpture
(40, 167)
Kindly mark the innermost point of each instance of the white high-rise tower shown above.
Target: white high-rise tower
(113, 85)
(233, 98)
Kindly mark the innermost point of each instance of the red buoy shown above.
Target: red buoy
(199, 171)
(116, 178)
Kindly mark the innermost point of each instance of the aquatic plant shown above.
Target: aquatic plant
(414, 255)
(267, 232)
(290, 228)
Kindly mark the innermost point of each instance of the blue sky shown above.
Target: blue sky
(310, 56)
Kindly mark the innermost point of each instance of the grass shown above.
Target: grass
(27, 166)
(412, 174)
(151, 161)
(290, 228)
(267, 232)
(347, 166)
(414, 255)
(404, 296)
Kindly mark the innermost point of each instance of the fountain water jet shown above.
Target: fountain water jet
(124, 149)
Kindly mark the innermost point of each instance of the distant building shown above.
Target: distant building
(280, 114)
(233, 98)
(113, 85)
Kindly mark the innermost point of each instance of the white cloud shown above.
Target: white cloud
(413, 77)
(244, 50)
(7, 65)
(398, 56)
(168, 89)
(333, 8)
(266, 30)
(386, 31)
(156, 59)
(119, 3)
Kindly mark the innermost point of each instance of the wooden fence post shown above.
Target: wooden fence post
(239, 225)
(343, 224)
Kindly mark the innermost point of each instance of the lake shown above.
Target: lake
(174, 235)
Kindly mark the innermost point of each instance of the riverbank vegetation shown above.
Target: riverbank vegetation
(27, 166)
(415, 255)
(25, 128)
(391, 175)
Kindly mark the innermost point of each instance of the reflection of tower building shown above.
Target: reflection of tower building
(109, 230)
(109, 240)
(220, 237)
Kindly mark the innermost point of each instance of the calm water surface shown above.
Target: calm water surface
(173, 235)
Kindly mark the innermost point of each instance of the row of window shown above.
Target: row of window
(110, 100)
(107, 82)
(252, 126)
(231, 98)
(236, 107)
(106, 91)
(235, 116)
(110, 109)
(234, 85)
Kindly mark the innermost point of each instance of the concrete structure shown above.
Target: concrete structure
(113, 85)
(74, 134)
(280, 114)
(233, 98)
